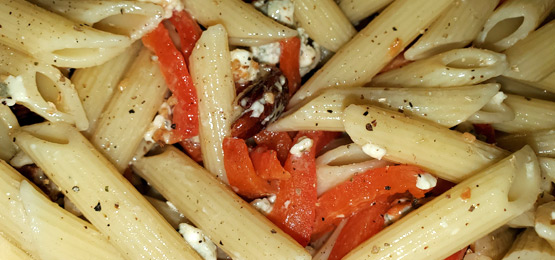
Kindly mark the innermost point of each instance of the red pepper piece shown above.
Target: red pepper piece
(485, 130)
(240, 171)
(281, 142)
(188, 30)
(267, 165)
(289, 62)
(361, 191)
(192, 149)
(459, 255)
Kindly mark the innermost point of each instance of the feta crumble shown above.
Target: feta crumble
(15, 91)
(257, 108)
(425, 181)
(161, 125)
(243, 66)
(303, 144)
(498, 98)
(374, 151)
(267, 53)
(198, 241)
(264, 205)
(281, 11)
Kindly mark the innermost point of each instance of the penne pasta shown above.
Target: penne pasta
(53, 39)
(327, 25)
(493, 246)
(244, 24)
(448, 154)
(101, 193)
(357, 10)
(35, 224)
(526, 89)
(96, 85)
(456, 67)
(325, 111)
(534, 65)
(530, 115)
(529, 245)
(468, 211)
(11, 251)
(372, 48)
(211, 74)
(40, 87)
(8, 123)
(495, 111)
(511, 22)
(544, 225)
(547, 166)
(543, 142)
(547, 83)
(237, 228)
(133, 106)
(454, 29)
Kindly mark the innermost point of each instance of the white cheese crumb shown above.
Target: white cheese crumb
(374, 151)
(16, 90)
(286, 204)
(309, 55)
(425, 181)
(257, 108)
(264, 205)
(552, 215)
(282, 11)
(303, 144)
(198, 241)
(498, 98)
(268, 53)
(243, 66)
(162, 120)
(20, 159)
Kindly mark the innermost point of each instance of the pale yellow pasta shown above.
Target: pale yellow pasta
(211, 73)
(357, 10)
(11, 251)
(468, 211)
(235, 226)
(527, 89)
(547, 83)
(495, 111)
(35, 224)
(492, 246)
(53, 39)
(8, 123)
(511, 22)
(170, 213)
(545, 226)
(454, 29)
(543, 142)
(324, 252)
(96, 85)
(534, 65)
(129, 18)
(373, 47)
(327, 25)
(547, 166)
(135, 103)
(244, 24)
(448, 154)
(530, 115)
(456, 67)
(40, 87)
(529, 245)
(101, 193)
(325, 111)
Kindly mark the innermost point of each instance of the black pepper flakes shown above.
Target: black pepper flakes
(330, 111)
(369, 127)
(131, 111)
(387, 187)
(273, 231)
(472, 208)
(98, 207)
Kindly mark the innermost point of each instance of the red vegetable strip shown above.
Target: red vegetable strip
(363, 189)
(359, 228)
(485, 130)
(281, 142)
(192, 149)
(459, 255)
(188, 30)
(289, 62)
(240, 171)
(295, 202)
(267, 165)
(172, 65)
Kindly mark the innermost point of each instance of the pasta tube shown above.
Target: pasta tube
(325, 111)
(372, 48)
(447, 154)
(35, 224)
(133, 106)
(356, 10)
(455, 28)
(129, 18)
(237, 228)
(452, 68)
(468, 211)
(40, 87)
(244, 24)
(11, 251)
(530, 115)
(493, 246)
(511, 22)
(211, 74)
(543, 142)
(534, 65)
(547, 83)
(529, 245)
(53, 39)
(545, 226)
(327, 25)
(8, 123)
(101, 193)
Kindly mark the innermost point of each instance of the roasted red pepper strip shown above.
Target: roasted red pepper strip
(278, 141)
(289, 62)
(459, 255)
(295, 202)
(240, 171)
(267, 165)
(173, 66)
(486, 131)
(362, 190)
(188, 30)
(360, 227)
(193, 149)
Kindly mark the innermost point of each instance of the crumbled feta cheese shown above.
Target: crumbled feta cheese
(310, 55)
(552, 215)
(169, 6)
(264, 205)
(198, 241)
(268, 53)
(21, 159)
(425, 181)
(243, 66)
(374, 151)
(303, 144)
(286, 204)
(498, 98)
(16, 90)
(257, 108)
(162, 121)
(282, 11)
